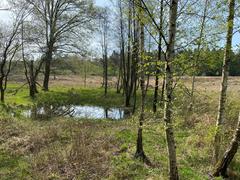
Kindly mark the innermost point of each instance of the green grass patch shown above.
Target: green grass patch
(13, 167)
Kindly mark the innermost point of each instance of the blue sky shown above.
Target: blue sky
(102, 2)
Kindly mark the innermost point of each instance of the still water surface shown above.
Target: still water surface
(87, 112)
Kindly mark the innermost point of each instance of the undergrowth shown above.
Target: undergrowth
(63, 148)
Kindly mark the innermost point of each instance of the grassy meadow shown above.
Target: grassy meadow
(66, 148)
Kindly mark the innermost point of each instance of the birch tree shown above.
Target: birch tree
(199, 45)
(168, 106)
(224, 84)
(140, 27)
(156, 89)
(104, 28)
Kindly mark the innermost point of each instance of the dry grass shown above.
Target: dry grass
(61, 149)
(206, 83)
(66, 149)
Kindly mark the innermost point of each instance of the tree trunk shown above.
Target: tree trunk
(123, 59)
(32, 90)
(32, 83)
(48, 61)
(147, 85)
(134, 97)
(119, 80)
(221, 169)
(2, 98)
(224, 85)
(128, 63)
(199, 44)
(2, 94)
(162, 91)
(85, 74)
(135, 57)
(173, 170)
(155, 97)
(103, 79)
(105, 73)
(139, 149)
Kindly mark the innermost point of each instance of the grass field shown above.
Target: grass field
(63, 148)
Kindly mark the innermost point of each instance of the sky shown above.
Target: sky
(4, 15)
(102, 2)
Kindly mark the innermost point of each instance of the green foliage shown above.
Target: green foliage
(187, 172)
(209, 64)
(73, 65)
(13, 167)
(128, 168)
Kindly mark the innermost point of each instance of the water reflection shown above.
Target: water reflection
(88, 112)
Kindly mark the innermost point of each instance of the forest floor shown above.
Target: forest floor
(65, 148)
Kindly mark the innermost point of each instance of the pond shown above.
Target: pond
(87, 112)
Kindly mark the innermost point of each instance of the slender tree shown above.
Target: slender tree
(173, 170)
(196, 60)
(135, 55)
(156, 89)
(104, 23)
(128, 89)
(224, 84)
(122, 46)
(139, 149)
